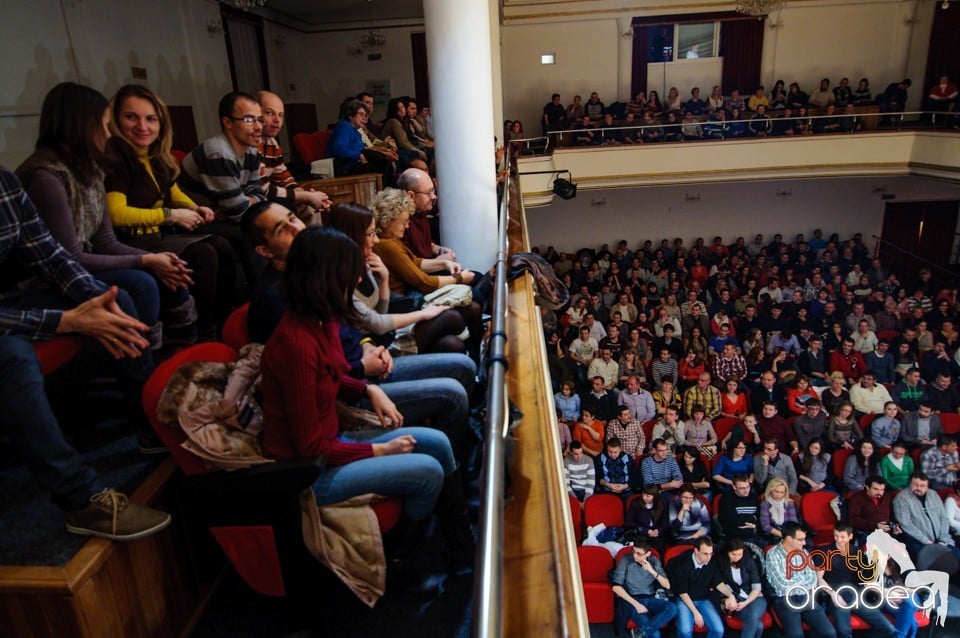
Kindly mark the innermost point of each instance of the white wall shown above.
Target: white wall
(841, 205)
(329, 68)
(831, 38)
(185, 64)
(586, 61)
(853, 39)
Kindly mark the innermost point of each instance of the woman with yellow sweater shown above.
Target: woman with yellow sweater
(148, 210)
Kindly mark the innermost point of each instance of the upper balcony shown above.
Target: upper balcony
(921, 152)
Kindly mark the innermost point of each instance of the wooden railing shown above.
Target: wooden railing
(542, 594)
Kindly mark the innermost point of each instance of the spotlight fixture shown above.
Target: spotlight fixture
(564, 188)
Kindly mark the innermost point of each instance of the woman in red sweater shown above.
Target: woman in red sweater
(305, 372)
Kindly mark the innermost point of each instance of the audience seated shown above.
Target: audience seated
(920, 514)
(65, 181)
(614, 470)
(347, 148)
(689, 517)
(394, 129)
(303, 370)
(636, 579)
(434, 328)
(941, 463)
(770, 463)
(410, 276)
(776, 509)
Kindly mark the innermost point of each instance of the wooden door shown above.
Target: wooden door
(918, 234)
(421, 76)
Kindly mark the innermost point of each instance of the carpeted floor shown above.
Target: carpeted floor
(32, 529)
(237, 612)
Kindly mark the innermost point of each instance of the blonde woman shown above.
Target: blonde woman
(414, 276)
(776, 509)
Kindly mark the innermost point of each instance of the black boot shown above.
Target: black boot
(410, 561)
(459, 542)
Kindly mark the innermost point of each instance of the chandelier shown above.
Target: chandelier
(373, 40)
(248, 4)
(759, 8)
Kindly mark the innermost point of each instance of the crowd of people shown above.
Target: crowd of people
(782, 111)
(108, 236)
(711, 387)
(404, 139)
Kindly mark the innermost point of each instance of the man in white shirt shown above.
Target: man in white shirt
(604, 366)
(867, 396)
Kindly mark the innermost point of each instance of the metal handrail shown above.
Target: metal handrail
(488, 581)
(903, 119)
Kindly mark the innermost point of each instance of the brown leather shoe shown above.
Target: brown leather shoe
(112, 515)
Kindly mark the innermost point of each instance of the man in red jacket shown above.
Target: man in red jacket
(848, 362)
(872, 508)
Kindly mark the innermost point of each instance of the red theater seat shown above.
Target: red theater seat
(254, 513)
(55, 353)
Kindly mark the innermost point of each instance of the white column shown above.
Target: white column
(461, 98)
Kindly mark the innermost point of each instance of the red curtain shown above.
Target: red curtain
(741, 45)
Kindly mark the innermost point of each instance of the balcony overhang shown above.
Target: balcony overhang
(922, 153)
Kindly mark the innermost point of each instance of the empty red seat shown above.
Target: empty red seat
(311, 146)
(950, 422)
(235, 333)
(56, 352)
(595, 564)
(576, 517)
(603, 508)
(818, 516)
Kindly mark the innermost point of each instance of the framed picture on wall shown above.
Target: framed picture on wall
(380, 90)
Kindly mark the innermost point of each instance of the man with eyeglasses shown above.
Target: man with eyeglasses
(770, 463)
(275, 179)
(224, 173)
(419, 236)
(225, 169)
(635, 581)
(738, 511)
(794, 581)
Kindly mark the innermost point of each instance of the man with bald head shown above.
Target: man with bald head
(418, 237)
(275, 179)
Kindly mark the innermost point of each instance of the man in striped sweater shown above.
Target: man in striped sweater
(224, 173)
(580, 472)
(225, 169)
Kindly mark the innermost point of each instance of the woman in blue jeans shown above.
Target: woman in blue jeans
(740, 573)
(64, 179)
(304, 374)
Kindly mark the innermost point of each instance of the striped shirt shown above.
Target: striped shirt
(659, 473)
(27, 246)
(581, 475)
(275, 178)
(214, 171)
